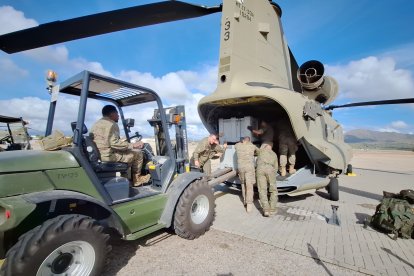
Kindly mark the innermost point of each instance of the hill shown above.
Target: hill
(362, 138)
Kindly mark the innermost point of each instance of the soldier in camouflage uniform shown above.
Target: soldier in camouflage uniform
(245, 152)
(207, 149)
(105, 134)
(265, 132)
(287, 150)
(266, 179)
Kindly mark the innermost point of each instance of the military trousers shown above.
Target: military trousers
(135, 158)
(287, 153)
(266, 183)
(206, 167)
(247, 179)
(264, 144)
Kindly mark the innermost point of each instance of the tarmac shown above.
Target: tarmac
(297, 240)
(300, 225)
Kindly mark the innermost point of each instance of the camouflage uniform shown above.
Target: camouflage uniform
(287, 148)
(204, 152)
(266, 179)
(266, 136)
(105, 134)
(245, 166)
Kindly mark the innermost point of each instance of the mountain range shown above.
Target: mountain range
(362, 138)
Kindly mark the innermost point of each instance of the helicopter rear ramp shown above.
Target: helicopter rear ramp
(303, 181)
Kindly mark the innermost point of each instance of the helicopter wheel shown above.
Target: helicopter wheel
(333, 189)
(349, 169)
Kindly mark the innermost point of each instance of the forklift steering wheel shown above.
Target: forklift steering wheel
(6, 139)
(136, 135)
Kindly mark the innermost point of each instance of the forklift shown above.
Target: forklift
(60, 207)
(15, 136)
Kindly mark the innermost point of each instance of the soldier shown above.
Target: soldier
(245, 151)
(207, 149)
(265, 132)
(287, 150)
(105, 134)
(266, 179)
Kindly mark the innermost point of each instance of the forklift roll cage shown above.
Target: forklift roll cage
(91, 85)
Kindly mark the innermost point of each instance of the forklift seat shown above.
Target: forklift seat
(94, 158)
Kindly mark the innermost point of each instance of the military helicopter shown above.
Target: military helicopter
(258, 79)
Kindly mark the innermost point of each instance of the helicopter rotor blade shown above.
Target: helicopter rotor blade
(101, 23)
(397, 101)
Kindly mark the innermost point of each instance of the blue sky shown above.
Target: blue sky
(368, 46)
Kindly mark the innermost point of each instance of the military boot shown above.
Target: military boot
(292, 169)
(249, 207)
(124, 174)
(140, 179)
(273, 208)
(283, 171)
(272, 211)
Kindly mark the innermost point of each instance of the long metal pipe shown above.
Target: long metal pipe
(222, 178)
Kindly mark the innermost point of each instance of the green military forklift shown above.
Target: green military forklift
(59, 208)
(13, 134)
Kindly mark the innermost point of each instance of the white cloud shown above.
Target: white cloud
(50, 54)
(55, 56)
(180, 88)
(10, 71)
(388, 129)
(12, 20)
(80, 64)
(183, 87)
(402, 54)
(170, 86)
(58, 58)
(204, 81)
(372, 78)
(35, 110)
(173, 88)
(399, 125)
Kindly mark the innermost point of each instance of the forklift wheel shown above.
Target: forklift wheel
(64, 245)
(195, 210)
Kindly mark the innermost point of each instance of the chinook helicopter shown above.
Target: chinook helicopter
(258, 79)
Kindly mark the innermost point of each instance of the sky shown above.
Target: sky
(367, 46)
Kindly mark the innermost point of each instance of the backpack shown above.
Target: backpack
(394, 215)
(55, 141)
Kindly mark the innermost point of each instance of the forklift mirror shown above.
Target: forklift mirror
(129, 122)
(84, 128)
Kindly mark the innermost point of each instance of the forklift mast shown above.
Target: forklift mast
(175, 116)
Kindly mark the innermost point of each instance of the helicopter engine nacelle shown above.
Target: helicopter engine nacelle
(316, 86)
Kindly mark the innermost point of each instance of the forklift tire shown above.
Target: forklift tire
(334, 189)
(64, 245)
(195, 210)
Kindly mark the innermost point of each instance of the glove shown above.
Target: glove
(249, 128)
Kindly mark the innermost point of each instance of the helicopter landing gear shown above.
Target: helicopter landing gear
(333, 189)
(349, 169)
